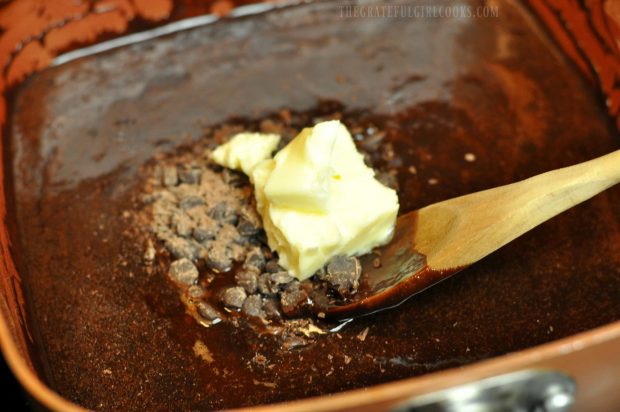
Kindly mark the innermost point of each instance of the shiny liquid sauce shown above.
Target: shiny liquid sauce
(462, 104)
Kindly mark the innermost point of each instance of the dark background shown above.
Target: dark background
(13, 398)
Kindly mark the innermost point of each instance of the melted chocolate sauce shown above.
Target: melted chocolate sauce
(116, 336)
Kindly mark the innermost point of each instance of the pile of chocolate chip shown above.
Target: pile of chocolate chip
(206, 233)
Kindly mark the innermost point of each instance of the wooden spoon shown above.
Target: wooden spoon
(434, 243)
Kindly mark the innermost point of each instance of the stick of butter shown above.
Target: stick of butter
(318, 199)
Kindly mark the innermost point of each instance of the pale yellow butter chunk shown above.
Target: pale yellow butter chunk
(306, 167)
(361, 217)
(318, 199)
(246, 150)
(301, 174)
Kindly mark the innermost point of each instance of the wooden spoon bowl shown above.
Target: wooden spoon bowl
(437, 241)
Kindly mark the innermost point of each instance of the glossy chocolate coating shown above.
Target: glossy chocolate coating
(115, 337)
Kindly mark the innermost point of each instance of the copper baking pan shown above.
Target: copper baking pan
(45, 49)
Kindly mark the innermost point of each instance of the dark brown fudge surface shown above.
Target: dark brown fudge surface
(464, 105)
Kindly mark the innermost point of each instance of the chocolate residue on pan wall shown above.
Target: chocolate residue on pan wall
(460, 113)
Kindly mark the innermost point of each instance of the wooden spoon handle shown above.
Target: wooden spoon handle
(462, 231)
(553, 192)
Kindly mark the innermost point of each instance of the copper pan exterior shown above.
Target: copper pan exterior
(591, 358)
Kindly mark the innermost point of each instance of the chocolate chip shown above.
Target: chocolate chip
(223, 213)
(182, 224)
(201, 234)
(281, 279)
(254, 260)
(181, 248)
(343, 274)
(293, 286)
(272, 309)
(237, 252)
(272, 266)
(250, 213)
(207, 311)
(249, 223)
(228, 234)
(320, 301)
(191, 176)
(234, 297)
(247, 279)
(183, 271)
(253, 306)
(219, 257)
(187, 202)
(294, 303)
(205, 227)
(246, 228)
(266, 285)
